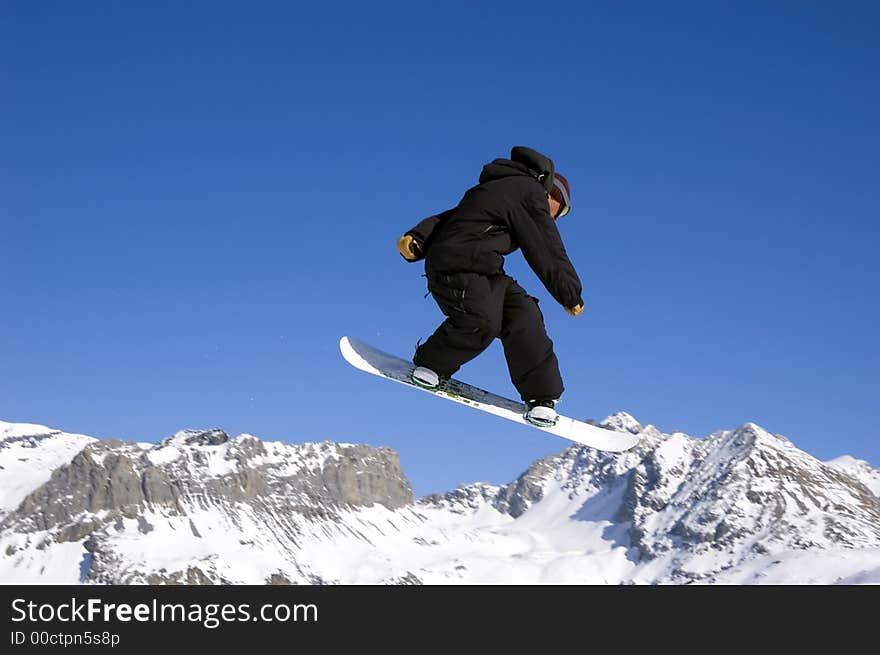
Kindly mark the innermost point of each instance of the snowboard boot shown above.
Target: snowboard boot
(425, 378)
(541, 413)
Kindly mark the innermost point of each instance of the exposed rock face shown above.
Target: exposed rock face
(123, 479)
(517, 497)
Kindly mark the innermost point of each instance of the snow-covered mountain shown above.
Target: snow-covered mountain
(740, 506)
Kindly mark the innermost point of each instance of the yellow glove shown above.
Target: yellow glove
(575, 311)
(409, 248)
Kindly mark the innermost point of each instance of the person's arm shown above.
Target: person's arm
(538, 237)
(414, 242)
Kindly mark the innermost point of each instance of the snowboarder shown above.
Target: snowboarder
(514, 205)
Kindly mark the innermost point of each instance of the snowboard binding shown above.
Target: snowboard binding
(541, 414)
(425, 378)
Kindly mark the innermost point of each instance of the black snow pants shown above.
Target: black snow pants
(479, 308)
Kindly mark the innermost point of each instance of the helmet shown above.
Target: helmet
(561, 192)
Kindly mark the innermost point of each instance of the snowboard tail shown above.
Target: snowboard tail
(372, 360)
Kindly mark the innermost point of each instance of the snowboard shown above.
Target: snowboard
(372, 360)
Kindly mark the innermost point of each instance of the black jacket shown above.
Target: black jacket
(507, 210)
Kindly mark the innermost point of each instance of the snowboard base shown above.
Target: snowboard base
(372, 360)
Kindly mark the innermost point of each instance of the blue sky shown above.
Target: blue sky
(198, 200)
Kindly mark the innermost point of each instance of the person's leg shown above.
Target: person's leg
(534, 369)
(473, 306)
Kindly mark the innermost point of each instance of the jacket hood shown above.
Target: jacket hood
(523, 161)
(501, 168)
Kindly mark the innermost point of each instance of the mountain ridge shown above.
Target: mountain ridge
(740, 505)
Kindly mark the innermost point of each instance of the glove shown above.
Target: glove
(575, 311)
(409, 248)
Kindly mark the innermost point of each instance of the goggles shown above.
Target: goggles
(561, 196)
